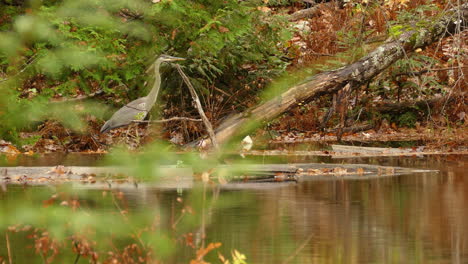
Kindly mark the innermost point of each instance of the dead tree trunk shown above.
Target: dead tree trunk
(353, 74)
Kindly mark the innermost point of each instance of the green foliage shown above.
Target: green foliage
(79, 47)
(415, 18)
(281, 2)
(407, 119)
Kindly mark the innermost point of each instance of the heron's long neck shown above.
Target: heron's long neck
(153, 95)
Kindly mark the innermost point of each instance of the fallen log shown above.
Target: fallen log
(173, 177)
(354, 74)
(401, 107)
(306, 13)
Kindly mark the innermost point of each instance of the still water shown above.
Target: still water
(416, 218)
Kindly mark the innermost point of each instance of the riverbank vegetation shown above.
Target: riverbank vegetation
(63, 63)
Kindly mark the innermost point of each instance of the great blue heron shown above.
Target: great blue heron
(139, 108)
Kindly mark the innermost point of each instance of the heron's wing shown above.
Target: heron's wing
(136, 109)
(125, 115)
(138, 104)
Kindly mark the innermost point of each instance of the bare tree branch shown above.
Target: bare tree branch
(198, 105)
(175, 118)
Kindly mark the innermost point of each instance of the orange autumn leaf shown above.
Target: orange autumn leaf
(203, 251)
(223, 29)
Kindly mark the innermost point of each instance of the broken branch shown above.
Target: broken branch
(199, 107)
(167, 120)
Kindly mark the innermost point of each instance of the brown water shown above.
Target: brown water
(417, 218)
(420, 218)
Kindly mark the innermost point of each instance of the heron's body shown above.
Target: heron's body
(135, 110)
(139, 108)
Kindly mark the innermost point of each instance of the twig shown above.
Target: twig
(353, 129)
(78, 98)
(298, 249)
(322, 54)
(125, 218)
(429, 70)
(26, 65)
(203, 220)
(43, 258)
(8, 248)
(198, 105)
(329, 113)
(221, 91)
(128, 14)
(167, 120)
(78, 255)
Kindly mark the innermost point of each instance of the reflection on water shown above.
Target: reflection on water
(419, 218)
(51, 159)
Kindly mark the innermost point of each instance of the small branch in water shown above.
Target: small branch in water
(298, 249)
(8, 248)
(167, 120)
(78, 255)
(195, 98)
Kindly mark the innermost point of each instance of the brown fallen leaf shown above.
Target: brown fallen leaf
(48, 202)
(222, 29)
(60, 170)
(314, 171)
(29, 153)
(379, 171)
(9, 150)
(222, 180)
(264, 9)
(203, 251)
(43, 179)
(360, 171)
(189, 241)
(340, 171)
(205, 176)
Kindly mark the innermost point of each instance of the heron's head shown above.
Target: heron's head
(167, 58)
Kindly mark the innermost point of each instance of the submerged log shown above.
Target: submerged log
(354, 74)
(173, 177)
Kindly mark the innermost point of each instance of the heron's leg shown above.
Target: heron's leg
(128, 130)
(148, 127)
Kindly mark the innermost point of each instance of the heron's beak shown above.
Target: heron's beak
(177, 59)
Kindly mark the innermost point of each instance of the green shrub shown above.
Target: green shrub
(407, 119)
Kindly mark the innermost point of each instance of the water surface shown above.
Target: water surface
(415, 218)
